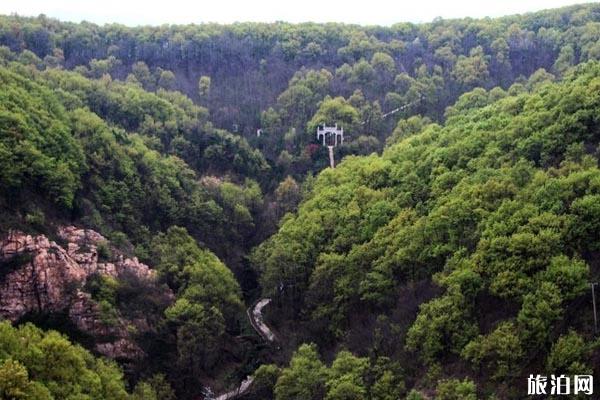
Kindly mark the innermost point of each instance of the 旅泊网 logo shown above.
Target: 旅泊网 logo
(560, 385)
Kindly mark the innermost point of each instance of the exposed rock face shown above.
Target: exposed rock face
(83, 249)
(38, 275)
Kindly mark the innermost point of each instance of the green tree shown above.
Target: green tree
(568, 355)
(334, 111)
(45, 365)
(204, 86)
(473, 70)
(454, 389)
(265, 378)
(346, 377)
(199, 334)
(500, 350)
(288, 194)
(166, 80)
(305, 378)
(142, 73)
(14, 380)
(539, 311)
(383, 63)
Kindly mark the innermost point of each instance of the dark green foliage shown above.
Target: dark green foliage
(13, 263)
(207, 310)
(265, 378)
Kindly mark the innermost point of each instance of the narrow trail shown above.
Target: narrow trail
(256, 319)
(240, 390)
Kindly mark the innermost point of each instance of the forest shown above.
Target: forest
(448, 255)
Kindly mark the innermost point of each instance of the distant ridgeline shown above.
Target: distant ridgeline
(277, 77)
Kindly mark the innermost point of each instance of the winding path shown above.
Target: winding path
(256, 318)
(257, 321)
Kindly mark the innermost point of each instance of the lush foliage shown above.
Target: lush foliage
(497, 206)
(273, 76)
(40, 365)
(108, 167)
(448, 254)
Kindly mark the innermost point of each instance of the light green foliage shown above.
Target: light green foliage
(143, 391)
(38, 152)
(386, 387)
(383, 63)
(568, 355)
(288, 194)
(299, 101)
(14, 381)
(141, 72)
(199, 331)
(406, 128)
(570, 276)
(540, 310)
(472, 71)
(304, 379)
(196, 274)
(566, 58)
(501, 350)
(208, 304)
(476, 98)
(363, 73)
(454, 389)
(58, 153)
(415, 395)
(99, 68)
(44, 365)
(334, 111)
(166, 80)
(470, 235)
(204, 86)
(539, 77)
(500, 203)
(346, 377)
(28, 57)
(442, 323)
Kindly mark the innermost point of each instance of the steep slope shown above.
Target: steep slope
(40, 277)
(64, 164)
(63, 161)
(494, 215)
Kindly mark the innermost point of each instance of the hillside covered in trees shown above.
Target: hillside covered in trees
(447, 256)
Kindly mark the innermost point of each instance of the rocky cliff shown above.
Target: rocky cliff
(40, 276)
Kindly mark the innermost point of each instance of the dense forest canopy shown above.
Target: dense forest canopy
(496, 206)
(273, 76)
(448, 255)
